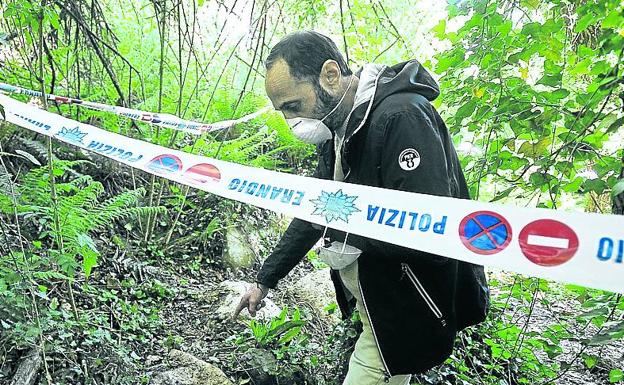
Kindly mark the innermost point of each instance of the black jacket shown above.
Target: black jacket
(411, 296)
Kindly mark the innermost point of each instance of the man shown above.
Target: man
(375, 128)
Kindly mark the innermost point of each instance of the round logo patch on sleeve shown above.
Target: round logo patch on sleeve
(409, 159)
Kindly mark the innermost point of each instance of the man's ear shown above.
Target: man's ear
(330, 75)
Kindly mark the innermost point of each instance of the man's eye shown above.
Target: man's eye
(291, 107)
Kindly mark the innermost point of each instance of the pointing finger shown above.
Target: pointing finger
(241, 305)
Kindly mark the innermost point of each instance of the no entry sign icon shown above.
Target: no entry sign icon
(202, 173)
(485, 232)
(547, 242)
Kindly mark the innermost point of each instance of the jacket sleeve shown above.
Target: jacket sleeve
(299, 238)
(294, 245)
(414, 131)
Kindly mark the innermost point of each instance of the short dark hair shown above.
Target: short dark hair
(305, 52)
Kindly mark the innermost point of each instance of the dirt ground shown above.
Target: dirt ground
(190, 316)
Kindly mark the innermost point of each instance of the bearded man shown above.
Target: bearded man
(376, 128)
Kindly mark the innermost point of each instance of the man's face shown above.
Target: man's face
(302, 98)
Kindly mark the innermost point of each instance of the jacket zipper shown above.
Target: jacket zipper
(370, 322)
(423, 293)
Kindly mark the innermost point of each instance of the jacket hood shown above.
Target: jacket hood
(377, 82)
(408, 76)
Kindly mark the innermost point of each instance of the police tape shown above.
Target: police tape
(157, 119)
(579, 248)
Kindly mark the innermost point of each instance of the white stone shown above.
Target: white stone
(189, 370)
(237, 251)
(234, 291)
(317, 289)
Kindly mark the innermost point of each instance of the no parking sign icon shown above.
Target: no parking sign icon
(485, 232)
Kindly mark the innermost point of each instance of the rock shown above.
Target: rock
(189, 370)
(317, 289)
(237, 252)
(265, 369)
(262, 366)
(152, 360)
(233, 291)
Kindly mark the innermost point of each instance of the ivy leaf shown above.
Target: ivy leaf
(559, 94)
(89, 261)
(618, 188)
(590, 361)
(505, 27)
(616, 375)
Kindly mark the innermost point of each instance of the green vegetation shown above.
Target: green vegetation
(102, 266)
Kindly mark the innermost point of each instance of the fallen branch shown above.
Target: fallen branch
(29, 367)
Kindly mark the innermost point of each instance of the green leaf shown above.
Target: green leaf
(613, 19)
(574, 185)
(502, 194)
(584, 22)
(450, 59)
(590, 361)
(466, 110)
(53, 17)
(505, 27)
(616, 375)
(533, 4)
(551, 80)
(559, 94)
(532, 29)
(534, 149)
(615, 125)
(2, 115)
(89, 261)
(618, 188)
(595, 185)
(439, 29)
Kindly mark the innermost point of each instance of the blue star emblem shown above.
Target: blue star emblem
(334, 206)
(73, 135)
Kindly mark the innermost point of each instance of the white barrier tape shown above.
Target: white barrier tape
(157, 119)
(580, 248)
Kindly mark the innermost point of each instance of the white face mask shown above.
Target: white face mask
(314, 131)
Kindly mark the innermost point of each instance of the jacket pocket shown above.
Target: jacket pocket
(407, 271)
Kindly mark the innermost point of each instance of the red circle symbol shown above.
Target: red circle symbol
(202, 173)
(485, 232)
(547, 242)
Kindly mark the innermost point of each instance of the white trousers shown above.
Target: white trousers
(365, 364)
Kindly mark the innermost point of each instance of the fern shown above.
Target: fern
(246, 149)
(79, 211)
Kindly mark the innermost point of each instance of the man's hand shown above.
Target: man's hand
(252, 300)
